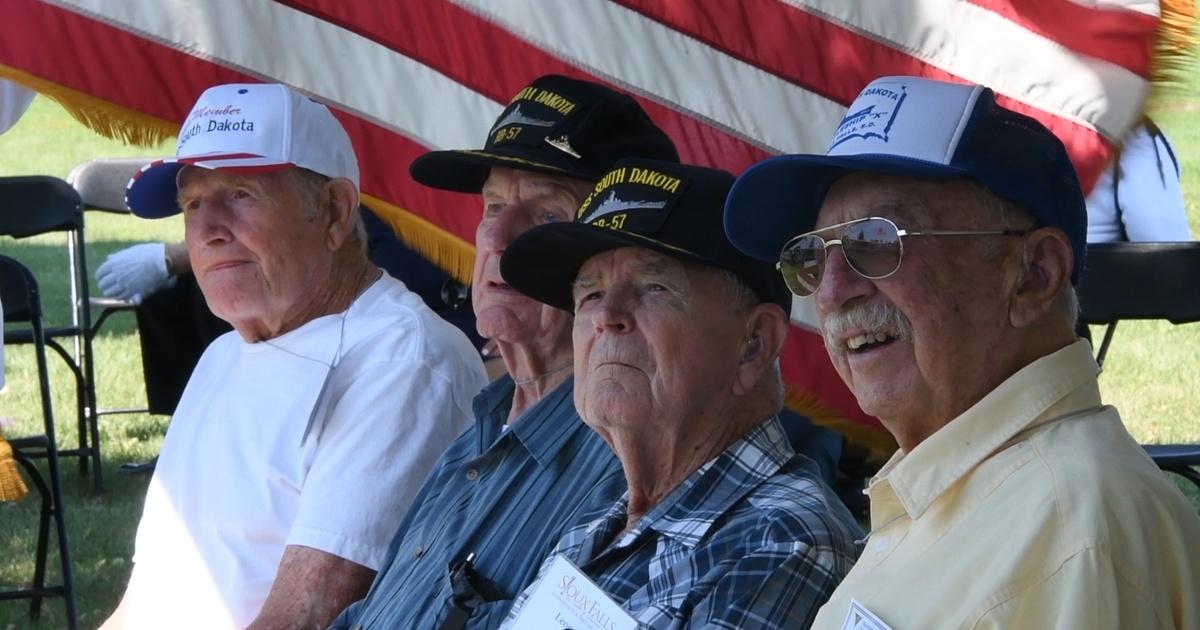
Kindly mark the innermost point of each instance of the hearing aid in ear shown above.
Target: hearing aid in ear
(753, 347)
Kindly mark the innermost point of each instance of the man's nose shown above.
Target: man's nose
(840, 283)
(613, 314)
(208, 222)
(500, 231)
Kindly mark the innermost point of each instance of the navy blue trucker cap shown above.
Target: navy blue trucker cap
(913, 127)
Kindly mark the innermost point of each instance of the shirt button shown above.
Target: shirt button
(472, 474)
(882, 543)
(419, 552)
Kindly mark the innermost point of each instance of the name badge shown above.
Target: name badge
(566, 598)
(859, 618)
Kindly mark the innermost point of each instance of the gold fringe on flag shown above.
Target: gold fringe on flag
(12, 487)
(878, 443)
(1175, 46)
(446, 250)
(105, 118)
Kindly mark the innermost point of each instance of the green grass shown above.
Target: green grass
(48, 141)
(1151, 374)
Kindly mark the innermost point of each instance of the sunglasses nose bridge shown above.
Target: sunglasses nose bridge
(845, 257)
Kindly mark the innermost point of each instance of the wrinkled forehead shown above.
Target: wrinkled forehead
(191, 176)
(629, 262)
(904, 200)
(507, 183)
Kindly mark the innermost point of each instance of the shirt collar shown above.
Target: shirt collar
(689, 511)
(542, 429)
(1052, 386)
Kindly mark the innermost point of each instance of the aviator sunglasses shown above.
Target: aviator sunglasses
(872, 246)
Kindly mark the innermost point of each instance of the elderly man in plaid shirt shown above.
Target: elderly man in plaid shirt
(676, 336)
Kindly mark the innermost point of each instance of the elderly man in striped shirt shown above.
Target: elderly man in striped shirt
(676, 338)
(503, 492)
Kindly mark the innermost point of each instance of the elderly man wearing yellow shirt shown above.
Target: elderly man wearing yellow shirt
(939, 237)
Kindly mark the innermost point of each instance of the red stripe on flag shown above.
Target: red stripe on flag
(384, 156)
(806, 367)
(1118, 36)
(492, 61)
(103, 61)
(766, 33)
(45, 41)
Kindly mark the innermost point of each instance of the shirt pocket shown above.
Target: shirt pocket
(490, 614)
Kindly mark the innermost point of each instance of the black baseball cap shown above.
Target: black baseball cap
(555, 125)
(671, 208)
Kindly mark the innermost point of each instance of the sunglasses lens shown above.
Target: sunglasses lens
(872, 248)
(802, 262)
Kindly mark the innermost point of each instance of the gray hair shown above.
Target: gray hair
(741, 295)
(1071, 306)
(310, 185)
(1014, 216)
(775, 391)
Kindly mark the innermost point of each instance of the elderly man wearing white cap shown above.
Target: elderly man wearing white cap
(304, 434)
(939, 238)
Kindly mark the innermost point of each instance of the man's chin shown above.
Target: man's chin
(503, 323)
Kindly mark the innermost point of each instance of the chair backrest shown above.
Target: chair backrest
(18, 292)
(36, 204)
(1140, 281)
(101, 183)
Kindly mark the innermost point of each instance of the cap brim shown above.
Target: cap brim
(543, 262)
(466, 170)
(153, 192)
(779, 198)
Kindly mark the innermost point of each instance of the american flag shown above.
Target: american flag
(733, 82)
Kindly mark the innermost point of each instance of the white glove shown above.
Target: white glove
(134, 273)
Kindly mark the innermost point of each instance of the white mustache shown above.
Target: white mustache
(873, 317)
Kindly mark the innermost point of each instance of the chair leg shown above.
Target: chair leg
(43, 536)
(1187, 472)
(94, 425)
(64, 546)
(87, 423)
(91, 417)
(53, 507)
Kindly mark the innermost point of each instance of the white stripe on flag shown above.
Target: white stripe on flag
(649, 58)
(1149, 7)
(305, 52)
(983, 47)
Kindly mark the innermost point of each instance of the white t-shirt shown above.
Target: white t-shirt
(1147, 204)
(234, 484)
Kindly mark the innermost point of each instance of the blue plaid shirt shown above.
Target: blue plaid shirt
(504, 495)
(750, 540)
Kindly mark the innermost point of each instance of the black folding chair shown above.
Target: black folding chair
(32, 205)
(1144, 281)
(19, 294)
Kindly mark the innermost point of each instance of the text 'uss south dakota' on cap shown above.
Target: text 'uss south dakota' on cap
(670, 208)
(558, 126)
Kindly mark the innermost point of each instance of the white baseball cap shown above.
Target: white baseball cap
(247, 128)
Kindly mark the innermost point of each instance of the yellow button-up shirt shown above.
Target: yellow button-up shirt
(1033, 509)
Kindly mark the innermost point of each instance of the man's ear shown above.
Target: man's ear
(1046, 272)
(766, 330)
(341, 203)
